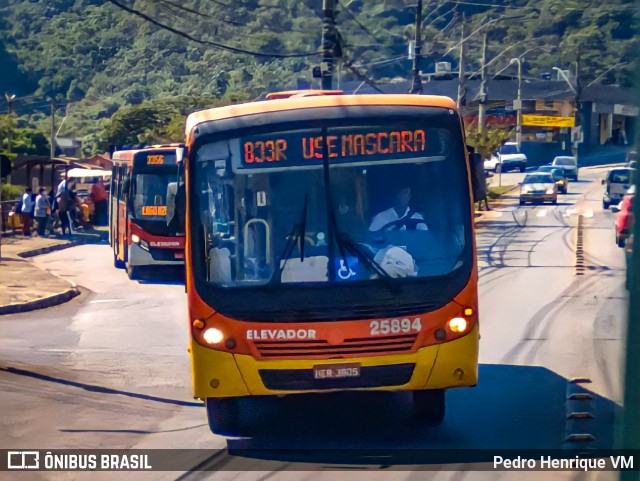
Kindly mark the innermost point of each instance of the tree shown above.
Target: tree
(487, 141)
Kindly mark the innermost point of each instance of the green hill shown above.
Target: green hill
(96, 58)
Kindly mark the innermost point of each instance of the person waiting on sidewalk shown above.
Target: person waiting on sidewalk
(481, 178)
(26, 212)
(62, 186)
(65, 203)
(42, 211)
(100, 196)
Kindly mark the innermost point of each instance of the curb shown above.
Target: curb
(50, 301)
(46, 250)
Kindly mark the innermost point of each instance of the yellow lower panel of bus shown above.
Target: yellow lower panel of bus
(220, 374)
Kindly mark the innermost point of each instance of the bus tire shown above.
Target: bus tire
(224, 415)
(117, 263)
(429, 406)
(133, 272)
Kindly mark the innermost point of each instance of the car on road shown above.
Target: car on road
(507, 158)
(538, 187)
(616, 182)
(558, 175)
(624, 219)
(568, 164)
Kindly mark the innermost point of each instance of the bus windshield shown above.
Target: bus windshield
(342, 205)
(150, 194)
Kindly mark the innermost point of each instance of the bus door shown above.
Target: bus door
(123, 214)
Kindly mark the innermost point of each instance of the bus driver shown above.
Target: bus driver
(399, 211)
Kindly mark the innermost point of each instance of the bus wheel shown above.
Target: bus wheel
(224, 415)
(429, 406)
(133, 272)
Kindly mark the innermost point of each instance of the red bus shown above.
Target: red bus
(330, 247)
(139, 231)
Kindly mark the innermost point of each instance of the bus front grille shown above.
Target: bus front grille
(348, 348)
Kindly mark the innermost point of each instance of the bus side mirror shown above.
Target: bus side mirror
(180, 153)
(176, 206)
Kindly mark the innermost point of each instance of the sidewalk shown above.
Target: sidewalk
(25, 286)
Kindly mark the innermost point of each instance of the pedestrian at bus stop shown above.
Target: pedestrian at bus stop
(99, 194)
(481, 177)
(66, 205)
(26, 211)
(42, 211)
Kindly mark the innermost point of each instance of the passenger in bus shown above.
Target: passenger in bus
(399, 211)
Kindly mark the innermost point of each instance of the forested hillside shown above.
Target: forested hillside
(98, 58)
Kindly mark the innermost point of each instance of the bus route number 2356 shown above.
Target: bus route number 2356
(394, 326)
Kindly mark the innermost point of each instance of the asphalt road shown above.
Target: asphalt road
(110, 368)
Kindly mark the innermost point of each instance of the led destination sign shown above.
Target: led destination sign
(155, 159)
(304, 147)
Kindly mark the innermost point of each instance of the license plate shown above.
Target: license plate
(179, 255)
(336, 371)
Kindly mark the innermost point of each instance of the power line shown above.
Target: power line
(196, 12)
(245, 4)
(360, 76)
(207, 42)
(360, 24)
(178, 8)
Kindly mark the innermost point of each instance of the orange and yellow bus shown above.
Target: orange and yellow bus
(139, 232)
(330, 247)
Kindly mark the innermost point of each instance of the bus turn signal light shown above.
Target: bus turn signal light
(212, 335)
(468, 311)
(458, 324)
(198, 324)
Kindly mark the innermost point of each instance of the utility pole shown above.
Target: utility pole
(483, 85)
(52, 151)
(578, 106)
(519, 109)
(416, 87)
(461, 87)
(328, 43)
(10, 99)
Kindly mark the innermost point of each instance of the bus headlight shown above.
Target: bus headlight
(135, 238)
(212, 335)
(549, 191)
(458, 324)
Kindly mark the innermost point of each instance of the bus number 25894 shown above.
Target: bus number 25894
(394, 326)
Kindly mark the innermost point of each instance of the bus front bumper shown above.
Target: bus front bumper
(158, 257)
(219, 374)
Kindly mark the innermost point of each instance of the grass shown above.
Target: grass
(495, 192)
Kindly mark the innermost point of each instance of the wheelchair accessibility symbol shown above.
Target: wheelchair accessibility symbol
(347, 270)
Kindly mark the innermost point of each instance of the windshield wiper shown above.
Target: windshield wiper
(342, 239)
(297, 232)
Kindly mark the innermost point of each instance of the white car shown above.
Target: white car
(568, 164)
(507, 158)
